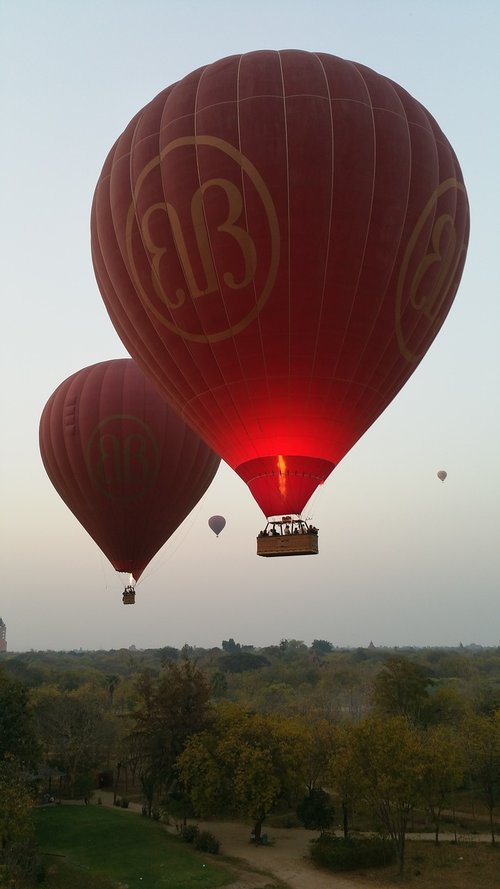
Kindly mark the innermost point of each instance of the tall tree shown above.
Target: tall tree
(401, 689)
(444, 765)
(243, 764)
(321, 646)
(345, 775)
(17, 734)
(483, 751)
(19, 753)
(17, 840)
(172, 707)
(72, 729)
(111, 681)
(390, 760)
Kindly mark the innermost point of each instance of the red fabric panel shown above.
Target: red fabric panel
(278, 239)
(123, 461)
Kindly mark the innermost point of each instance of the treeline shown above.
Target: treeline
(288, 678)
(365, 737)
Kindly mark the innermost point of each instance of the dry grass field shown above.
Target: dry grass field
(447, 866)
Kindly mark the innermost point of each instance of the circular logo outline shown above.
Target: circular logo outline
(431, 203)
(249, 168)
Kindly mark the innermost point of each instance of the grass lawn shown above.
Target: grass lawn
(104, 848)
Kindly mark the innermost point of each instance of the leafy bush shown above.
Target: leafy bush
(337, 853)
(189, 832)
(207, 842)
(124, 803)
(22, 865)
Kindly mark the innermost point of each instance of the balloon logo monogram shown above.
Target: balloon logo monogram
(428, 284)
(124, 467)
(172, 238)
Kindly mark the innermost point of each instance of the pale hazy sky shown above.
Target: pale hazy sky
(404, 559)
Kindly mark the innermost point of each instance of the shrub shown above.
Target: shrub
(189, 832)
(337, 853)
(124, 803)
(22, 864)
(206, 842)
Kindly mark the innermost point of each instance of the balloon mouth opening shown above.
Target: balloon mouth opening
(282, 484)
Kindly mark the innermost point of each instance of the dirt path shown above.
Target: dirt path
(286, 858)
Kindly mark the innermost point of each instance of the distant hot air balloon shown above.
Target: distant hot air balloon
(442, 474)
(123, 462)
(217, 523)
(278, 238)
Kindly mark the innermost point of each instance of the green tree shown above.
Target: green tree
(18, 855)
(319, 740)
(17, 734)
(172, 708)
(483, 752)
(401, 689)
(19, 753)
(391, 763)
(112, 682)
(72, 728)
(443, 771)
(277, 697)
(243, 764)
(446, 705)
(230, 646)
(322, 646)
(345, 776)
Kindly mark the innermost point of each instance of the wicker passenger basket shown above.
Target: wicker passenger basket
(287, 537)
(128, 597)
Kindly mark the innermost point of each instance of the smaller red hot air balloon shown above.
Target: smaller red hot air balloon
(217, 523)
(124, 463)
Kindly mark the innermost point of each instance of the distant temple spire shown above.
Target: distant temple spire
(3, 636)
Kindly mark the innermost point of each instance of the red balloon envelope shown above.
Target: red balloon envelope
(123, 461)
(278, 238)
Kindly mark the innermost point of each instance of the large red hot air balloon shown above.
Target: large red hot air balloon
(123, 461)
(278, 238)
